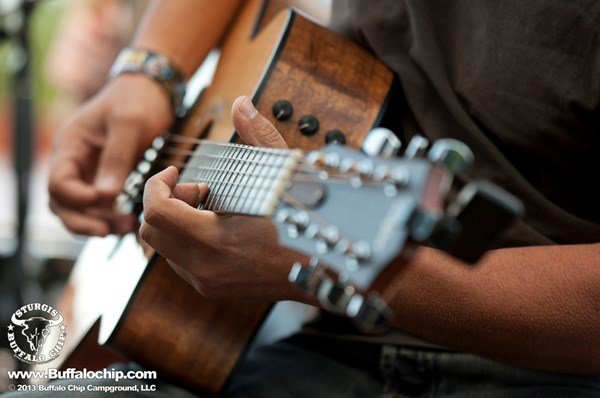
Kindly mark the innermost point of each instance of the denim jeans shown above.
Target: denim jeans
(309, 366)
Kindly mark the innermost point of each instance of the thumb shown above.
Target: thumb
(117, 159)
(253, 127)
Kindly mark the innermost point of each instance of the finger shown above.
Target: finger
(67, 186)
(165, 244)
(118, 158)
(80, 223)
(192, 194)
(253, 127)
(118, 223)
(173, 216)
(74, 154)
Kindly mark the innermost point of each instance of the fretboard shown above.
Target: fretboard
(242, 179)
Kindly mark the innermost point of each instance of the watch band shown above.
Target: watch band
(155, 66)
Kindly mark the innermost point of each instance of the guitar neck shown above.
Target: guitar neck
(241, 179)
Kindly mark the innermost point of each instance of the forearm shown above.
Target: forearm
(537, 307)
(185, 30)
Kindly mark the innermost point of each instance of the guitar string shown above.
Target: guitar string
(182, 166)
(203, 142)
(195, 155)
(297, 169)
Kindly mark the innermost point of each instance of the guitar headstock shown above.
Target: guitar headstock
(354, 214)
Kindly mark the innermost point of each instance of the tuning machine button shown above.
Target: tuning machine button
(315, 158)
(332, 160)
(150, 155)
(335, 136)
(307, 278)
(369, 313)
(381, 142)
(299, 219)
(455, 155)
(133, 182)
(282, 110)
(400, 176)
(359, 251)
(416, 147)
(335, 296)
(159, 142)
(144, 167)
(308, 125)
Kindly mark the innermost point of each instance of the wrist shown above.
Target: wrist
(153, 66)
(133, 98)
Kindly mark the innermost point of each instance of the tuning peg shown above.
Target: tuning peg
(307, 278)
(314, 158)
(335, 296)
(133, 182)
(361, 251)
(369, 313)
(381, 142)
(144, 167)
(416, 147)
(150, 155)
(332, 160)
(298, 218)
(455, 155)
(158, 143)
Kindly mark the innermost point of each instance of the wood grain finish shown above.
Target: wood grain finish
(168, 326)
(328, 77)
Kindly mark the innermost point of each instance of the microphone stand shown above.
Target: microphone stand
(12, 267)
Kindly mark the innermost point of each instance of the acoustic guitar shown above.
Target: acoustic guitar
(317, 88)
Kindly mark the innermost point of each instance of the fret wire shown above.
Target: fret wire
(220, 170)
(228, 209)
(230, 153)
(299, 175)
(193, 180)
(230, 177)
(192, 154)
(256, 174)
(255, 164)
(203, 142)
(217, 173)
(237, 168)
(214, 174)
(262, 186)
(184, 167)
(208, 174)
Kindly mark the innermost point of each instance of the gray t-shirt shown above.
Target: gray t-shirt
(517, 81)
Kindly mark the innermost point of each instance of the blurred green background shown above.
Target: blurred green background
(43, 25)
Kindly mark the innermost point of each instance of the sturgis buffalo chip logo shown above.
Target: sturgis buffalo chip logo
(37, 333)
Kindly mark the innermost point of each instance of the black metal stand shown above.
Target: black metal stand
(11, 267)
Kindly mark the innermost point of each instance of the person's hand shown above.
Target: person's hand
(221, 256)
(97, 149)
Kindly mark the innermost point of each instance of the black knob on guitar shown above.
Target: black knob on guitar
(335, 136)
(283, 110)
(308, 125)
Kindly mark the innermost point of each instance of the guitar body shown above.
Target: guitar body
(155, 318)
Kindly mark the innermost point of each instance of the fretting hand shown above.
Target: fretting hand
(221, 256)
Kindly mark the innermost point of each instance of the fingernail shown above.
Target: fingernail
(247, 108)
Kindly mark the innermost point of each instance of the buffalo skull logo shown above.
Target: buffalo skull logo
(36, 329)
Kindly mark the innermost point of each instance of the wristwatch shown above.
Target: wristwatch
(155, 66)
